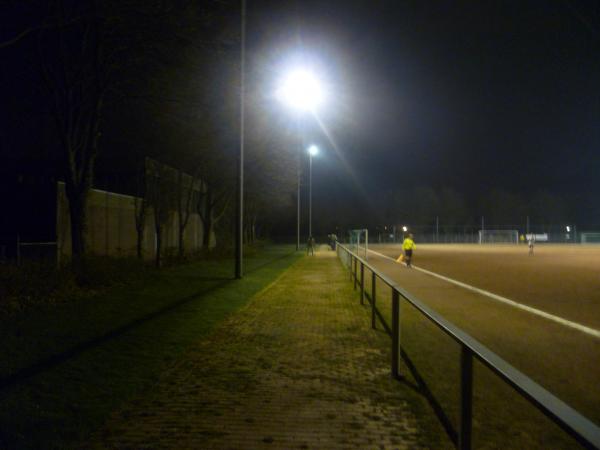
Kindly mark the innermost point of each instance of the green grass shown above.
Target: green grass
(306, 340)
(65, 367)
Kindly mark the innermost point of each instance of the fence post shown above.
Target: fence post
(395, 334)
(373, 296)
(466, 398)
(355, 273)
(362, 283)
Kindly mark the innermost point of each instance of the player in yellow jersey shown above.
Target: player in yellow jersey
(407, 247)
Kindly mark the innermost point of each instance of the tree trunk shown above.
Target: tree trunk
(254, 229)
(158, 258)
(140, 224)
(158, 230)
(140, 243)
(77, 204)
(207, 220)
(181, 240)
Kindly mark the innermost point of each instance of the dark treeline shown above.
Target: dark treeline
(424, 207)
(94, 87)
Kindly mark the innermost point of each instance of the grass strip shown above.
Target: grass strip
(64, 369)
(298, 367)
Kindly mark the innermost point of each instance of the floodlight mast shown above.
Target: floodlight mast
(313, 150)
(239, 191)
(301, 91)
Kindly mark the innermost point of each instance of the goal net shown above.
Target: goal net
(590, 237)
(359, 242)
(498, 236)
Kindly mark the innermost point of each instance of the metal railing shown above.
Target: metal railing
(576, 425)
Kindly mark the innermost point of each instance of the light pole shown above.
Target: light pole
(239, 191)
(313, 150)
(301, 91)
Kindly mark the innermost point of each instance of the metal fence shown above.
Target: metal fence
(572, 422)
(430, 234)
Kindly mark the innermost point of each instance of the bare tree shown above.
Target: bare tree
(90, 51)
(187, 190)
(161, 196)
(71, 59)
(140, 208)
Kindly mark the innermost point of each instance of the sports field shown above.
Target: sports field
(556, 341)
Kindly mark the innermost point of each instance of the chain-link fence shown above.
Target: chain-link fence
(563, 234)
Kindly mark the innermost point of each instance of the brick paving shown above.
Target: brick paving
(298, 368)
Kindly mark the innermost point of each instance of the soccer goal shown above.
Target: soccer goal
(359, 242)
(498, 236)
(590, 237)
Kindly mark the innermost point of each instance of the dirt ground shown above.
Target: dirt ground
(563, 280)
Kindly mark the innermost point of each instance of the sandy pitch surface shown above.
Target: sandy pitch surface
(562, 280)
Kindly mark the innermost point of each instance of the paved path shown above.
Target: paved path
(298, 368)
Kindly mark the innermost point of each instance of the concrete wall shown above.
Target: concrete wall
(111, 227)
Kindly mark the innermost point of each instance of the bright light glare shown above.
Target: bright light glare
(301, 90)
(313, 150)
(404, 228)
(568, 228)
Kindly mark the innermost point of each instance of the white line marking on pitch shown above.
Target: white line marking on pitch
(499, 298)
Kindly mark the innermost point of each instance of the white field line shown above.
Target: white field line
(538, 312)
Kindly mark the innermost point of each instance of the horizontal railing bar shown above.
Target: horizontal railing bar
(574, 423)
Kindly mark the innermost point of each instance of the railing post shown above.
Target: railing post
(355, 273)
(362, 283)
(466, 398)
(395, 334)
(373, 296)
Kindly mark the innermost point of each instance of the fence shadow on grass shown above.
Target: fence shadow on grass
(421, 387)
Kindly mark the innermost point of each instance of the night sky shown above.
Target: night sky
(469, 95)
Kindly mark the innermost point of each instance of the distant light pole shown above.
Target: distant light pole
(313, 150)
(301, 91)
(239, 191)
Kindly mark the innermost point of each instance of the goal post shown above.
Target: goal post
(498, 236)
(359, 242)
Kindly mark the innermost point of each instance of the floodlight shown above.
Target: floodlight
(313, 150)
(405, 228)
(301, 90)
(568, 229)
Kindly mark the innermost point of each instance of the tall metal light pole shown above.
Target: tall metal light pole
(298, 202)
(301, 91)
(312, 151)
(239, 210)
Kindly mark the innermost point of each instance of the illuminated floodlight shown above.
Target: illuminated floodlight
(568, 229)
(405, 228)
(301, 90)
(313, 150)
